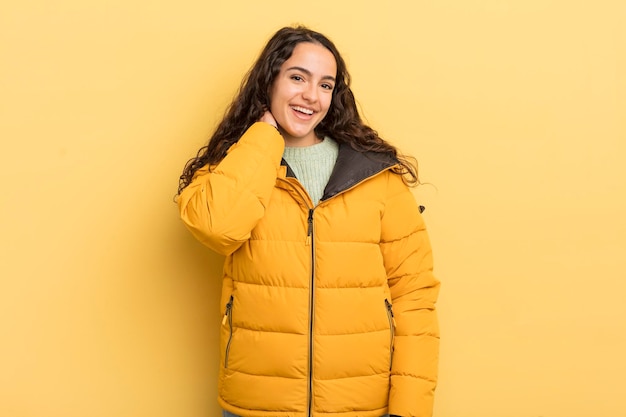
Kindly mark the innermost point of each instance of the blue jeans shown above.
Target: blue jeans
(227, 414)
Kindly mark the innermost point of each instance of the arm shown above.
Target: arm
(414, 290)
(223, 203)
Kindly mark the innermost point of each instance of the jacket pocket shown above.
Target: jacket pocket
(392, 330)
(228, 318)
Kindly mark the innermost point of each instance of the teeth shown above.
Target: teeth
(302, 110)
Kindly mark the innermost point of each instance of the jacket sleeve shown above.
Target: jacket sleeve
(223, 203)
(414, 289)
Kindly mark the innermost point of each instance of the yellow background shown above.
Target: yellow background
(516, 111)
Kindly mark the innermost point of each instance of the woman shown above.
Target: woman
(328, 294)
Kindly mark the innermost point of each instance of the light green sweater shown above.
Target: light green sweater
(313, 165)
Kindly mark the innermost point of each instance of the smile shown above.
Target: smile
(302, 110)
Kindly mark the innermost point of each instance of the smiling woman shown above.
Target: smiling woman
(302, 93)
(328, 293)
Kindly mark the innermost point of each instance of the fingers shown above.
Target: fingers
(268, 118)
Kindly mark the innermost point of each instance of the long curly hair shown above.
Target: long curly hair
(342, 122)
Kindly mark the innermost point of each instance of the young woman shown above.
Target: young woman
(328, 295)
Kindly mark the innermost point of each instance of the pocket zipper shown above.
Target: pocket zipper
(228, 316)
(392, 330)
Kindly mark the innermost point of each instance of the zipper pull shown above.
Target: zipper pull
(390, 308)
(229, 305)
(309, 233)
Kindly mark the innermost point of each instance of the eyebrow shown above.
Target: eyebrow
(307, 72)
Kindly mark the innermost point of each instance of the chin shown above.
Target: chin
(297, 134)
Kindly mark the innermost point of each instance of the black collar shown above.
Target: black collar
(351, 168)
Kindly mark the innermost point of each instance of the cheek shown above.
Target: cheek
(278, 97)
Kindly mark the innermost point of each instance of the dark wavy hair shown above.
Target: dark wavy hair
(342, 122)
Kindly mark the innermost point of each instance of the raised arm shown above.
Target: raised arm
(223, 203)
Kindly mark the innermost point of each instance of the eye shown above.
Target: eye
(328, 86)
(296, 78)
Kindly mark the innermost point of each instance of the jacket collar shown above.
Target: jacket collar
(351, 168)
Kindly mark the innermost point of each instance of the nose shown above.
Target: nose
(310, 93)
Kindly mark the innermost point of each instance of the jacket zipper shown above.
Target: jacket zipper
(228, 316)
(311, 241)
(392, 330)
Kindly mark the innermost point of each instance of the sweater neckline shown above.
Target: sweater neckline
(320, 150)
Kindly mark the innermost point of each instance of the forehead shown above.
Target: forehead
(314, 58)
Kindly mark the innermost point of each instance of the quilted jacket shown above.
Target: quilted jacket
(328, 310)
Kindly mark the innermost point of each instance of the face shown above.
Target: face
(302, 93)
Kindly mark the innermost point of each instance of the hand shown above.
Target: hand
(268, 118)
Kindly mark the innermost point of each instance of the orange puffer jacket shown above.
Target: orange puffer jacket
(329, 310)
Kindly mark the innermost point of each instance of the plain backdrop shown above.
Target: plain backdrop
(516, 111)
